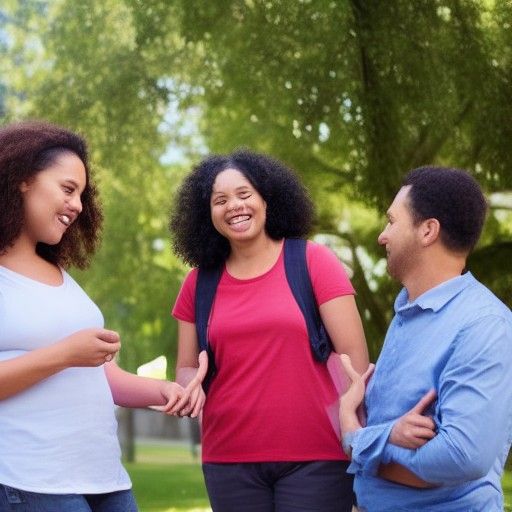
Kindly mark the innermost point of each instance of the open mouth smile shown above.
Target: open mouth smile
(238, 219)
(66, 220)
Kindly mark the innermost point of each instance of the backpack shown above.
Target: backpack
(297, 275)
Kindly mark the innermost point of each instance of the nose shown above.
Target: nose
(235, 204)
(382, 239)
(75, 203)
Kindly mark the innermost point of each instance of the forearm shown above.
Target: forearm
(185, 374)
(27, 370)
(130, 390)
(400, 475)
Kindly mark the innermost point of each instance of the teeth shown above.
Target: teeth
(65, 219)
(239, 218)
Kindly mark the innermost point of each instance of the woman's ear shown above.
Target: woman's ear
(24, 186)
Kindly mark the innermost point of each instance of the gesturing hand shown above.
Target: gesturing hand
(354, 395)
(414, 429)
(89, 347)
(191, 398)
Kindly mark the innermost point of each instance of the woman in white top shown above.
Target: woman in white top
(58, 382)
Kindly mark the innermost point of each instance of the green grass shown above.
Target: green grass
(507, 490)
(166, 478)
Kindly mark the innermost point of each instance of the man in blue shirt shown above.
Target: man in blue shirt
(439, 403)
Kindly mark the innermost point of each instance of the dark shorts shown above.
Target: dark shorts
(320, 486)
(16, 500)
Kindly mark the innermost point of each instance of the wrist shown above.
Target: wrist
(347, 442)
(349, 422)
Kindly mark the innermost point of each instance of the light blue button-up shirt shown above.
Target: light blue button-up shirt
(456, 338)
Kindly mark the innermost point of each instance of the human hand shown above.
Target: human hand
(351, 401)
(172, 392)
(414, 429)
(192, 400)
(88, 347)
(354, 395)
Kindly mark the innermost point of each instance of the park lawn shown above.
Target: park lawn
(507, 490)
(166, 478)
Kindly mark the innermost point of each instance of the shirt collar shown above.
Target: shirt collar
(436, 297)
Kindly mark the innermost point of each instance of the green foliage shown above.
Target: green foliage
(358, 91)
(113, 97)
(351, 94)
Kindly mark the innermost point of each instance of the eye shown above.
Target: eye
(219, 202)
(68, 190)
(245, 195)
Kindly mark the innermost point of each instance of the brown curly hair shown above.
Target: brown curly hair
(27, 148)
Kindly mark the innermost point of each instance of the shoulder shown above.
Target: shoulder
(319, 256)
(190, 280)
(328, 275)
(184, 306)
(480, 303)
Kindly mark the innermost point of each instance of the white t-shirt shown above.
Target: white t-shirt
(60, 435)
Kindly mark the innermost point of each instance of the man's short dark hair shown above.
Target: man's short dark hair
(454, 198)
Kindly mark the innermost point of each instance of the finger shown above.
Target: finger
(180, 404)
(198, 407)
(109, 336)
(425, 433)
(203, 366)
(349, 369)
(368, 373)
(424, 401)
(424, 422)
(159, 408)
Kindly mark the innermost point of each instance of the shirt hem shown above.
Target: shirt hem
(68, 490)
(272, 458)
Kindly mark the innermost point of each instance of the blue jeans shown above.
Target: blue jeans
(16, 500)
(319, 486)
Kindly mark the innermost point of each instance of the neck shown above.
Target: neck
(253, 258)
(433, 272)
(22, 250)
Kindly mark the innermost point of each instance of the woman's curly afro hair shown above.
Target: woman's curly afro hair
(27, 148)
(289, 211)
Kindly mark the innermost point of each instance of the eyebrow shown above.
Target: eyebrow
(238, 189)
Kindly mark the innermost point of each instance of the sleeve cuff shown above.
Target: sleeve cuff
(368, 445)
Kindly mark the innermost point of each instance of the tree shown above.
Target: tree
(355, 93)
(351, 94)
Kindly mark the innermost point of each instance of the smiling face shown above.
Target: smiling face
(51, 199)
(401, 238)
(238, 211)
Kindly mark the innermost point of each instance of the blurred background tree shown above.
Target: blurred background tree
(350, 94)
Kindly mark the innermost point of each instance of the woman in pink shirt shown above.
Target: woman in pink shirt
(270, 435)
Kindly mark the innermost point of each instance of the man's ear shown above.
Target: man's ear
(430, 231)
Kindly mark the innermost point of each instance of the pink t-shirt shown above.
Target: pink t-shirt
(270, 399)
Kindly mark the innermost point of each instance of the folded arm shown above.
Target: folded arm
(474, 403)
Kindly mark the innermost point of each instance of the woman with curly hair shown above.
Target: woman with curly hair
(269, 436)
(58, 383)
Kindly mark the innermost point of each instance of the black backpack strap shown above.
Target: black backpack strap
(206, 287)
(297, 274)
